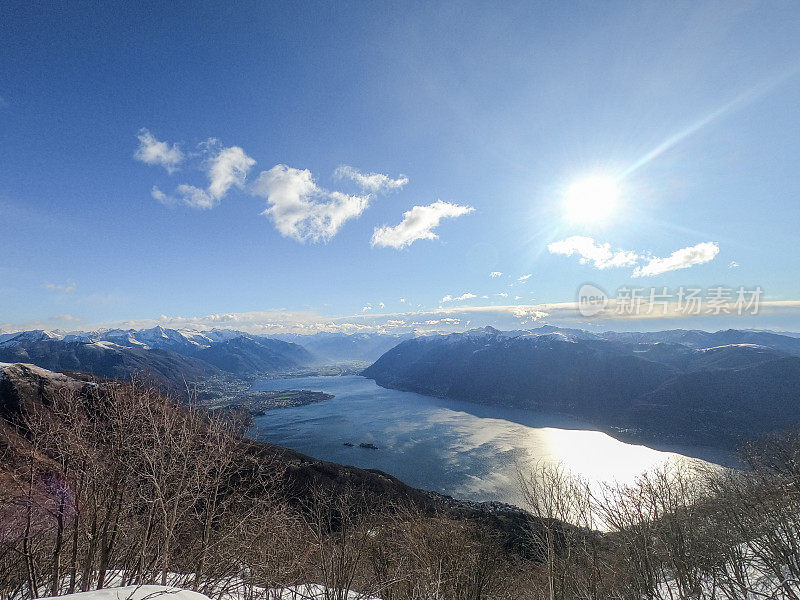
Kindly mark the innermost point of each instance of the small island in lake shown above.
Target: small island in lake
(367, 445)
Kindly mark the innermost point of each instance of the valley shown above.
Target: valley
(679, 387)
(399, 300)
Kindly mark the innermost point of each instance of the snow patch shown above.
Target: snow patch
(136, 592)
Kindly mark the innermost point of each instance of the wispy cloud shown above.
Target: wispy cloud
(65, 317)
(680, 259)
(225, 168)
(417, 224)
(524, 278)
(495, 274)
(599, 255)
(157, 194)
(66, 288)
(449, 318)
(733, 265)
(154, 152)
(370, 182)
(302, 210)
(464, 296)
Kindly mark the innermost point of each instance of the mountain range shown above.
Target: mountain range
(168, 355)
(678, 385)
(178, 355)
(710, 388)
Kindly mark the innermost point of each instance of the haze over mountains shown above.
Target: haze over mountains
(172, 355)
(363, 347)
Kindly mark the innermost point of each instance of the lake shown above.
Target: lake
(462, 449)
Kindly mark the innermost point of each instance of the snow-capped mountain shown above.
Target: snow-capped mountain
(171, 354)
(178, 340)
(26, 337)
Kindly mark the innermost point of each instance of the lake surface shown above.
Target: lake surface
(462, 449)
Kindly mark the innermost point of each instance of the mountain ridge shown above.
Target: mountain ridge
(645, 386)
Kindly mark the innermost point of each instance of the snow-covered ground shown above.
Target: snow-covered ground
(234, 588)
(137, 592)
(158, 592)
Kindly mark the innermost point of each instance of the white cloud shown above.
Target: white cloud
(366, 308)
(503, 317)
(502, 294)
(733, 265)
(381, 304)
(417, 224)
(446, 321)
(153, 152)
(67, 288)
(157, 194)
(226, 169)
(464, 296)
(195, 197)
(600, 255)
(301, 209)
(191, 196)
(370, 182)
(680, 259)
(524, 278)
(495, 274)
(402, 299)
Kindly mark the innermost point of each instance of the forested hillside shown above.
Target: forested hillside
(105, 483)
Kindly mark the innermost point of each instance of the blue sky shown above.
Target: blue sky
(490, 119)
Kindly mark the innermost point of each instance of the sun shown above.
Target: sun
(591, 200)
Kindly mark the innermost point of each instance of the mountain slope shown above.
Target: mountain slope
(525, 370)
(243, 355)
(693, 338)
(105, 359)
(659, 389)
(713, 403)
(23, 387)
(169, 355)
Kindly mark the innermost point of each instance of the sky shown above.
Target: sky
(357, 165)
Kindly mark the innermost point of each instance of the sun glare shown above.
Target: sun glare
(591, 200)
